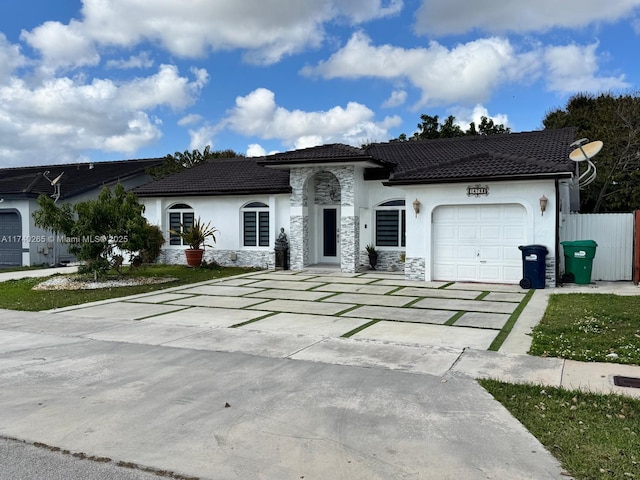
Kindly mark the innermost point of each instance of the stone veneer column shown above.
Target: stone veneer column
(349, 221)
(297, 258)
(349, 241)
(414, 268)
(299, 235)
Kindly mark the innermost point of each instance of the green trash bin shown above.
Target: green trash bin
(578, 259)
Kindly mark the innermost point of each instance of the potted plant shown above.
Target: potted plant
(373, 256)
(195, 236)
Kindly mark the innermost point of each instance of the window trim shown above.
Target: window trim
(181, 209)
(262, 225)
(399, 206)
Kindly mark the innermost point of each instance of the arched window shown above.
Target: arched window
(391, 224)
(180, 216)
(255, 225)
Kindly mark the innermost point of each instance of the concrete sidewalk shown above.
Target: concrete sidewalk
(38, 272)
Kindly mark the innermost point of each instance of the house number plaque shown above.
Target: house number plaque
(477, 190)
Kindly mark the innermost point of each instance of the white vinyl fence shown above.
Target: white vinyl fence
(613, 232)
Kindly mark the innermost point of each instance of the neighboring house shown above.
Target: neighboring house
(24, 244)
(453, 209)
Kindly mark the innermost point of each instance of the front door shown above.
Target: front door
(330, 235)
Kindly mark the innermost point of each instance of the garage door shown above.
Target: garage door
(10, 241)
(479, 243)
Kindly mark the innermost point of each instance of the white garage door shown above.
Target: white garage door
(479, 243)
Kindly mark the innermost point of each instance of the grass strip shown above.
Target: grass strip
(592, 435)
(253, 320)
(446, 285)
(454, 319)
(482, 295)
(506, 330)
(359, 329)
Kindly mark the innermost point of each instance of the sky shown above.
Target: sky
(99, 80)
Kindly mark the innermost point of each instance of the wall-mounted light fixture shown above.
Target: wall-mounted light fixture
(543, 204)
(416, 206)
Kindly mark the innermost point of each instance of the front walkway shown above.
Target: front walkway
(372, 306)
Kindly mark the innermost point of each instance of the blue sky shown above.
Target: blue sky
(98, 80)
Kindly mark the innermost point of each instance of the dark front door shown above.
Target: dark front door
(330, 232)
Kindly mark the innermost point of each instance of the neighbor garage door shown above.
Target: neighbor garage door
(479, 243)
(10, 241)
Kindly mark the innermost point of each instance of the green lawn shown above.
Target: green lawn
(18, 294)
(593, 436)
(590, 328)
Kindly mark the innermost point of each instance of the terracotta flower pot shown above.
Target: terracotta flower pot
(194, 257)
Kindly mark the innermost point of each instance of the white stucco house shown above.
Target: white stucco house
(453, 209)
(24, 244)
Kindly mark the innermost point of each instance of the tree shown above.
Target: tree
(430, 128)
(101, 228)
(615, 120)
(181, 161)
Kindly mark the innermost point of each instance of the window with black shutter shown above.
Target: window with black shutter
(255, 225)
(390, 219)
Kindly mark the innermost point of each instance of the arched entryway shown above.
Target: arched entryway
(323, 196)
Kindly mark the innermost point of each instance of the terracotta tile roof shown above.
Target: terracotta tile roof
(221, 176)
(511, 155)
(77, 178)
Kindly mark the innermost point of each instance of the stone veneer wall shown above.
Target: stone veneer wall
(387, 261)
(298, 249)
(245, 258)
(550, 272)
(414, 268)
(349, 244)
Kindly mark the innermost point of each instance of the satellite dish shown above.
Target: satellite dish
(585, 152)
(57, 179)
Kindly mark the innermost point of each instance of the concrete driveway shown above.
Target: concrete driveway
(372, 306)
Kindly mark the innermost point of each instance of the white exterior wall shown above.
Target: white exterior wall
(374, 193)
(225, 214)
(541, 229)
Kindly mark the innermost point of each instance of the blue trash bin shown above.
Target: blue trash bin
(534, 266)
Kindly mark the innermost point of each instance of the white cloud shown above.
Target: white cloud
(266, 29)
(257, 114)
(364, 10)
(166, 87)
(447, 17)
(10, 58)
(62, 45)
(574, 68)
(464, 116)
(142, 60)
(190, 119)
(61, 118)
(256, 150)
(468, 73)
(202, 137)
(397, 98)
